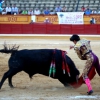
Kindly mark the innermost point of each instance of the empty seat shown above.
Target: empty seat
(25, 1)
(85, 5)
(67, 2)
(47, 5)
(22, 5)
(71, 5)
(18, 5)
(91, 1)
(82, 1)
(70, 9)
(52, 3)
(20, 2)
(37, 5)
(97, 1)
(51, 8)
(32, 5)
(27, 8)
(26, 5)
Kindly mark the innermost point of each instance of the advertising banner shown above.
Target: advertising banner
(70, 17)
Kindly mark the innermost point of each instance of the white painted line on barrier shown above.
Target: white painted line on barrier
(46, 35)
(53, 43)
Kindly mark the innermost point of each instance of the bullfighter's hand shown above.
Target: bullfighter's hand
(71, 47)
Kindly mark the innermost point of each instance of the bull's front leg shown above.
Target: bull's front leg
(10, 81)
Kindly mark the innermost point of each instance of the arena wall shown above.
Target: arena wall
(36, 28)
(26, 19)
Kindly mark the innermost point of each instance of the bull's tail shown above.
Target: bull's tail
(9, 49)
(5, 51)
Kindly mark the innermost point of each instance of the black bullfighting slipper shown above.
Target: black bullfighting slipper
(90, 92)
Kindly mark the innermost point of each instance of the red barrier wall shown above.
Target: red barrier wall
(49, 29)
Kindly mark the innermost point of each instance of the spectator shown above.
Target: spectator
(37, 11)
(99, 12)
(1, 10)
(24, 12)
(92, 20)
(19, 11)
(1, 2)
(47, 20)
(87, 11)
(46, 11)
(94, 11)
(8, 10)
(14, 9)
(4, 12)
(31, 22)
(30, 12)
(82, 8)
(64, 9)
(58, 8)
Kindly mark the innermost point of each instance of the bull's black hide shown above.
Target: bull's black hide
(38, 61)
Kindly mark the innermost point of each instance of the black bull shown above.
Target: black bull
(38, 61)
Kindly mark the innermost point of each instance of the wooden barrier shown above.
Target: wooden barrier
(15, 19)
(26, 19)
(88, 17)
(49, 29)
(54, 18)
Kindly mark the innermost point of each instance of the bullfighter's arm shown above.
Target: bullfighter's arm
(79, 53)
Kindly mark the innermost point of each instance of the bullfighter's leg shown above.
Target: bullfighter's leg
(86, 69)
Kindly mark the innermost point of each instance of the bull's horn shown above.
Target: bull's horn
(77, 77)
(69, 74)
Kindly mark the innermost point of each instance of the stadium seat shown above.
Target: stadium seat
(22, 5)
(93, 4)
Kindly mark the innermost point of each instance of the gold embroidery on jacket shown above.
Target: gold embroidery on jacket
(82, 48)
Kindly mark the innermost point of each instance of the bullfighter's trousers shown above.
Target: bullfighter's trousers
(92, 61)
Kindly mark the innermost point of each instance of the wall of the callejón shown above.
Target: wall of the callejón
(54, 19)
(87, 19)
(26, 19)
(37, 28)
(15, 19)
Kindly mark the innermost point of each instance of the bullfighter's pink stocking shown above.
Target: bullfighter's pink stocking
(87, 81)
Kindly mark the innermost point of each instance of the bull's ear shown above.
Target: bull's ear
(5, 46)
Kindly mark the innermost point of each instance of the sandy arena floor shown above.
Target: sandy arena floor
(42, 87)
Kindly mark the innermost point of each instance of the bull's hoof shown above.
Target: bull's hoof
(11, 86)
(90, 92)
(68, 85)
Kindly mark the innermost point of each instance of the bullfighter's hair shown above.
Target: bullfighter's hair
(74, 37)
